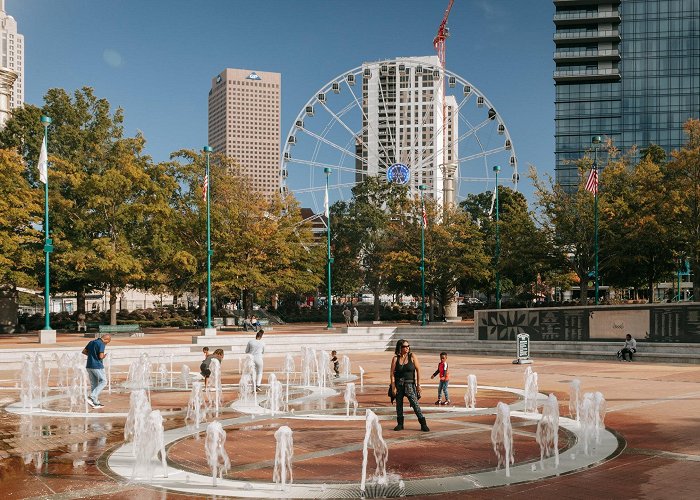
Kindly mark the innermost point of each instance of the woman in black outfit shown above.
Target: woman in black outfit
(405, 381)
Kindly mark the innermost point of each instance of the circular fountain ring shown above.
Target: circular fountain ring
(121, 463)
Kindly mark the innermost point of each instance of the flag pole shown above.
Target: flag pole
(422, 255)
(48, 243)
(209, 330)
(329, 260)
(596, 141)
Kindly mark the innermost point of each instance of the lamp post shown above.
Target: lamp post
(329, 260)
(596, 140)
(497, 169)
(208, 330)
(47, 334)
(422, 189)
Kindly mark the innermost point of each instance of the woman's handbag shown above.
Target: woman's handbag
(391, 394)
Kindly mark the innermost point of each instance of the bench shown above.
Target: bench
(132, 330)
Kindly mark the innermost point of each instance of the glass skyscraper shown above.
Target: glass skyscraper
(628, 70)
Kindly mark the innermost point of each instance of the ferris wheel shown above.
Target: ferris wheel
(393, 119)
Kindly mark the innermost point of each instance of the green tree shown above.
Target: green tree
(20, 213)
(361, 231)
(684, 170)
(637, 227)
(568, 221)
(526, 252)
(82, 131)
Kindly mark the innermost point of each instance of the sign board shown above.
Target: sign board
(522, 343)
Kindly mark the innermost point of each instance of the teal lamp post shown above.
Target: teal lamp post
(596, 143)
(209, 329)
(497, 256)
(47, 334)
(329, 260)
(423, 222)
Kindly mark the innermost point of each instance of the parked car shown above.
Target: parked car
(473, 301)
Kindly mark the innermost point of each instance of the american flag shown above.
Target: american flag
(425, 216)
(592, 182)
(205, 187)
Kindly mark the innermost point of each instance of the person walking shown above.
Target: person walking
(256, 348)
(443, 371)
(95, 352)
(355, 316)
(347, 314)
(405, 381)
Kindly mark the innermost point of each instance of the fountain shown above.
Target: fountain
(139, 409)
(147, 444)
(362, 379)
(350, 399)
(470, 394)
(79, 387)
(282, 473)
(289, 368)
(531, 391)
(29, 429)
(374, 439)
(309, 365)
(592, 420)
(574, 398)
(345, 367)
(217, 458)
(214, 386)
(30, 383)
(274, 394)
(196, 412)
(502, 438)
(547, 434)
(325, 370)
(185, 376)
(139, 376)
(162, 375)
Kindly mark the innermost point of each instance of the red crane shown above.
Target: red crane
(442, 34)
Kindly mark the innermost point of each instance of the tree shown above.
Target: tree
(20, 213)
(454, 251)
(684, 171)
(525, 250)
(82, 130)
(638, 227)
(568, 219)
(361, 231)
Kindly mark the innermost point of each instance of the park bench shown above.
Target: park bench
(131, 330)
(90, 325)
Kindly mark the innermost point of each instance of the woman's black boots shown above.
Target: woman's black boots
(423, 425)
(399, 424)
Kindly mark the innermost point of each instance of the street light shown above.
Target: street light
(497, 169)
(48, 242)
(209, 330)
(329, 260)
(596, 140)
(423, 221)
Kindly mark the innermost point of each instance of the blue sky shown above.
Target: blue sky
(156, 58)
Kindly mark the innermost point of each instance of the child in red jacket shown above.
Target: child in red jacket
(442, 370)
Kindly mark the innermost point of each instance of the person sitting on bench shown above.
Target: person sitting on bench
(629, 348)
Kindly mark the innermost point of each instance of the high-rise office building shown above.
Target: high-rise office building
(244, 123)
(12, 54)
(402, 122)
(628, 70)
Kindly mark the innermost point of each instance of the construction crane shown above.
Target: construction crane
(442, 34)
(439, 44)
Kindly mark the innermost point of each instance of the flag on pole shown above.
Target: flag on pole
(205, 187)
(493, 202)
(425, 215)
(592, 182)
(43, 163)
(326, 210)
